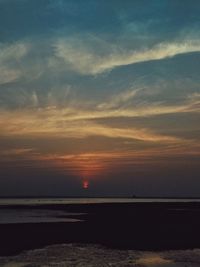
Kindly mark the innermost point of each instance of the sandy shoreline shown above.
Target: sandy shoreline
(81, 255)
(137, 226)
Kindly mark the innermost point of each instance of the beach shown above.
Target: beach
(83, 255)
(124, 226)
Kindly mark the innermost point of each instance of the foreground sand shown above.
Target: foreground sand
(76, 255)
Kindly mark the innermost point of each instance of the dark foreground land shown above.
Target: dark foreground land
(141, 226)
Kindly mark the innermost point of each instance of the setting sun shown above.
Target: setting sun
(85, 184)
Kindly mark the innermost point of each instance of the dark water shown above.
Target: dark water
(25, 214)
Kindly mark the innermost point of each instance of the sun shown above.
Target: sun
(85, 184)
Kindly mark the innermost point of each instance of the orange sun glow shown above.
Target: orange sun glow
(85, 184)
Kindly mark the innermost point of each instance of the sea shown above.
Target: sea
(9, 214)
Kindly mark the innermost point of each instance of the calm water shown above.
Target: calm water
(25, 214)
(49, 201)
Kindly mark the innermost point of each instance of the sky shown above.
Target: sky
(99, 98)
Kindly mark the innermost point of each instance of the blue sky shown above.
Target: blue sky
(102, 91)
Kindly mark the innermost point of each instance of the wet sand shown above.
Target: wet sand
(137, 226)
(80, 255)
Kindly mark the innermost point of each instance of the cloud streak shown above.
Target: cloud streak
(82, 57)
(57, 126)
(70, 123)
(11, 55)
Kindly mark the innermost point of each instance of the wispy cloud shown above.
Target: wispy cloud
(70, 123)
(119, 99)
(17, 151)
(80, 120)
(84, 54)
(81, 56)
(10, 58)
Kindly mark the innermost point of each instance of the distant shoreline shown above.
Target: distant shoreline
(100, 197)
